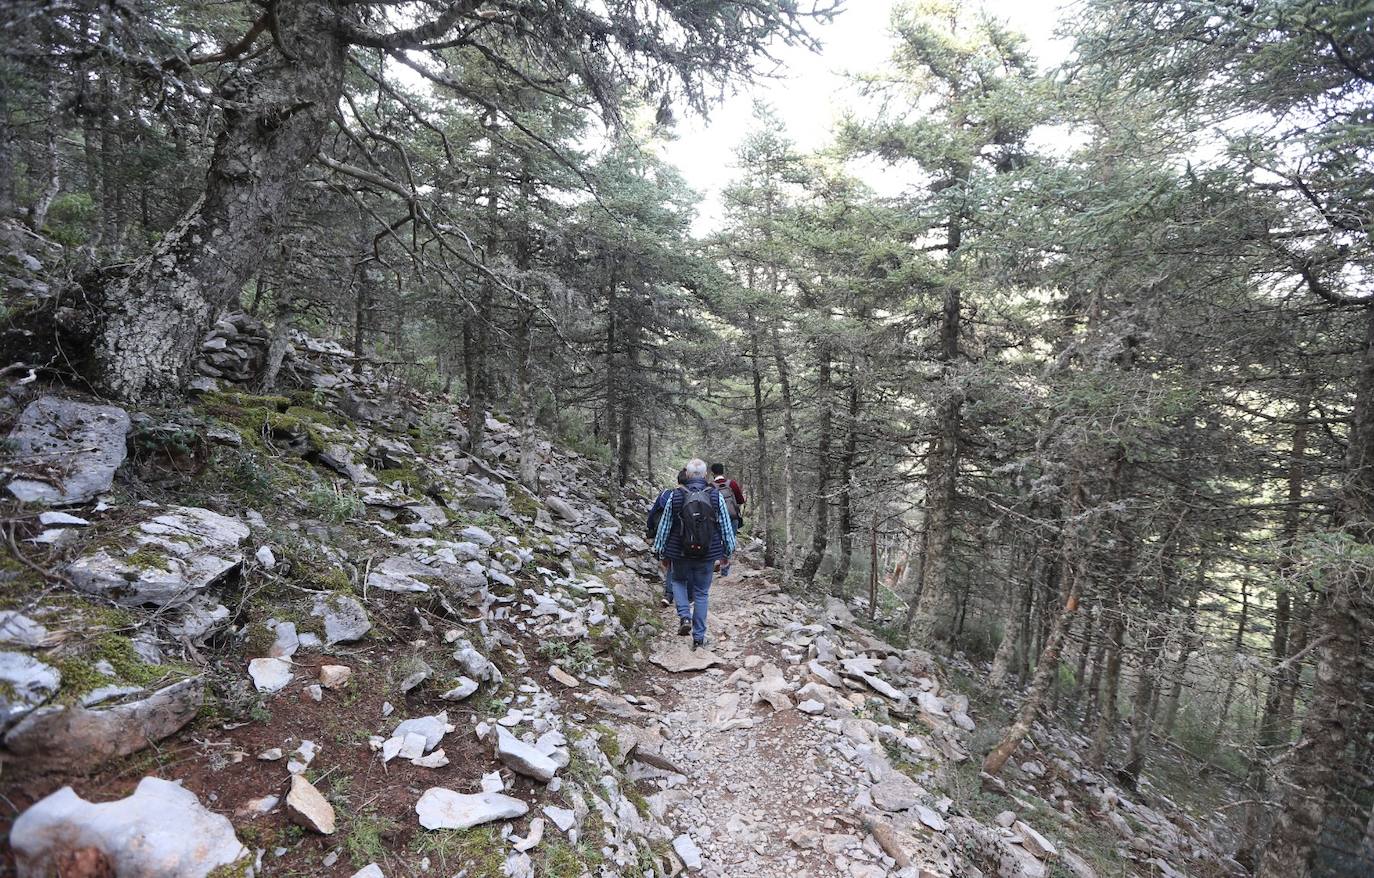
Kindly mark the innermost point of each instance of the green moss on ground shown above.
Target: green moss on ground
(79, 674)
(480, 852)
(559, 859)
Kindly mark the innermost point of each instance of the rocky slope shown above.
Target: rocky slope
(308, 634)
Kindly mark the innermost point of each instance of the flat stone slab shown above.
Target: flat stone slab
(68, 450)
(400, 573)
(172, 557)
(74, 738)
(524, 758)
(441, 808)
(680, 658)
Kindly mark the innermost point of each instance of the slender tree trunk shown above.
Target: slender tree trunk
(1273, 726)
(918, 570)
(820, 535)
(942, 462)
(153, 321)
(52, 178)
(1185, 653)
(761, 488)
(1085, 649)
(477, 364)
(1006, 649)
(1048, 664)
(1111, 680)
(847, 460)
(524, 380)
(1233, 678)
(1142, 709)
(789, 444)
(8, 204)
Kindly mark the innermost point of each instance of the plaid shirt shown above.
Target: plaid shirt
(666, 544)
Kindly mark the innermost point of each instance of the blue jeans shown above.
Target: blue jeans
(691, 581)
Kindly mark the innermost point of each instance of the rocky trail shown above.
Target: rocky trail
(314, 635)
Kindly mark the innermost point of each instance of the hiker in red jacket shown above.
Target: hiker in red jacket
(734, 496)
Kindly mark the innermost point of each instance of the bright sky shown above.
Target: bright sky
(809, 92)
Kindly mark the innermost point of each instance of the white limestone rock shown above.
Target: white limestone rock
(440, 808)
(688, 852)
(523, 758)
(161, 831)
(25, 683)
(461, 691)
(191, 549)
(345, 620)
(270, 674)
(79, 445)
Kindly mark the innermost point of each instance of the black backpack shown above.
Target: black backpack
(697, 524)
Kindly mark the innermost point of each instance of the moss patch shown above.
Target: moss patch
(479, 851)
(79, 674)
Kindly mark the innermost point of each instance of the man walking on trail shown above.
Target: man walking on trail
(651, 531)
(694, 533)
(731, 491)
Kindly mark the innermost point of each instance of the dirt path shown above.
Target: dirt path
(756, 776)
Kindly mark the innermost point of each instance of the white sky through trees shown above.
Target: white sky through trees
(810, 91)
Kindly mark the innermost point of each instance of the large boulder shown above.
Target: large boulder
(161, 831)
(62, 738)
(67, 451)
(174, 556)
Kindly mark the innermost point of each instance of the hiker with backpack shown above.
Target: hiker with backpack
(733, 494)
(694, 533)
(651, 531)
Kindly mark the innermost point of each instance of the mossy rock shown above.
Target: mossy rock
(80, 676)
(522, 503)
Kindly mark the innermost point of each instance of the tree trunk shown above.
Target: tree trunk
(761, 487)
(1273, 726)
(529, 438)
(1111, 680)
(153, 321)
(1185, 653)
(789, 443)
(1048, 664)
(1142, 710)
(1085, 649)
(918, 570)
(1233, 679)
(820, 535)
(8, 204)
(276, 348)
(1011, 640)
(1319, 761)
(851, 453)
(52, 178)
(942, 470)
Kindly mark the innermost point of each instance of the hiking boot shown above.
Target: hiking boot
(698, 644)
(667, 601)
(684, 626)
